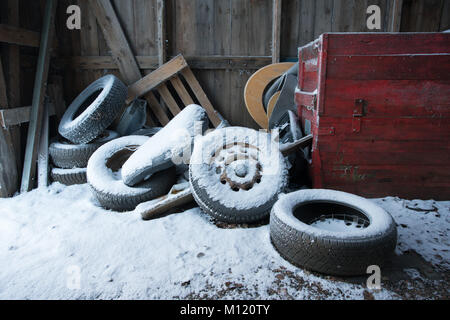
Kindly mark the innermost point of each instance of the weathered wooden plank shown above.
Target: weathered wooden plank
(201, 96)
(212, 62)
(42, 160)
(161, 35)
(422, 16)
(29, 168)
(154, 79)
(3, 94)
(181, 90)
(156, 108)
(57, 104)
(14, 76)
(15, 116)
(168, 99)
(276, 30)
(395, 16)
(115, 37)
(19, 36)
(8, 166)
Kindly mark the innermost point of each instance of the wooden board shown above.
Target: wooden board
(154, 79)
(272, 101)
(115, 37)
(254, 90)
(34, 129)
(19, 36)
(8, 168)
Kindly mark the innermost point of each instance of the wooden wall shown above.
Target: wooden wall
(202, 29)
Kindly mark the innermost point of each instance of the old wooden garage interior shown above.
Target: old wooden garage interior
(224, 42)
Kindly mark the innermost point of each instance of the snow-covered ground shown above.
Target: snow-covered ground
(55, 243)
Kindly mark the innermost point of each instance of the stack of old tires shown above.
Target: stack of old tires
(83, 129)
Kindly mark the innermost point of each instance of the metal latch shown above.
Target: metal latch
(359, 111)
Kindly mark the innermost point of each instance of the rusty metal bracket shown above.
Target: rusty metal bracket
(359, 111)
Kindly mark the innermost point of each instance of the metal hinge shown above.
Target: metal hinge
(359, 111)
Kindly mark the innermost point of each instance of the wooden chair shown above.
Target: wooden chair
(175, 85)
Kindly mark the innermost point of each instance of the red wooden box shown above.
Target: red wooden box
(378, 105)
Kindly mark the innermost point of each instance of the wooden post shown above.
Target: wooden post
(117, 42)
(14, 79)
(43, 150)
(395, 16)
(8, 168)
(276, 31)
(40, 83)
(161, 39)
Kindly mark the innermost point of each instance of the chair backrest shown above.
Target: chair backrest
(175, 85)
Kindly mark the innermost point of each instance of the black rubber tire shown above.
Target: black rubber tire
(100, 103)
(109, 190)
(69, 177)
(65, 154)
(213, 207)
(331, 252)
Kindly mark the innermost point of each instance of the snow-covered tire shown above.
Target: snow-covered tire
(149, 132)
(169, 146)
(106, 183)
(69, 176)
(236, 174)
(93, 110)
(65, 154)
(366, 233)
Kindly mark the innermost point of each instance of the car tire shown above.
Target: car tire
(66, 155)
(215, 187)
(107, 185)
(331, 232)
(93, 110)
(69, 177)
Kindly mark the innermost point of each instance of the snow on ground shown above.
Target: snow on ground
(51, 235)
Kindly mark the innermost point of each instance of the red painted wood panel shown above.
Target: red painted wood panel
(401, 143)
(389, 98)
(385, 43)
(416, 129)
(383, 67)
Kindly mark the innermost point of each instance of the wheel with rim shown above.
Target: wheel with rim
(93, 110)
(236, 174)
(66, 155)
(331, 232)
(104, 176)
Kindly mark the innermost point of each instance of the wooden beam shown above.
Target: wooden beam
(298, 144)
(117, 42)
(151, 62)
(276, 30)
(40, 82)
(9, 177)
(43, 150)
(181, 90)
(395, 16)
(15, 116)
(14, 78)
(3, 94)
(201, 96)
(154, 79)
(57, 104)
(19, 36)
(161, 35)
(168, 99)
